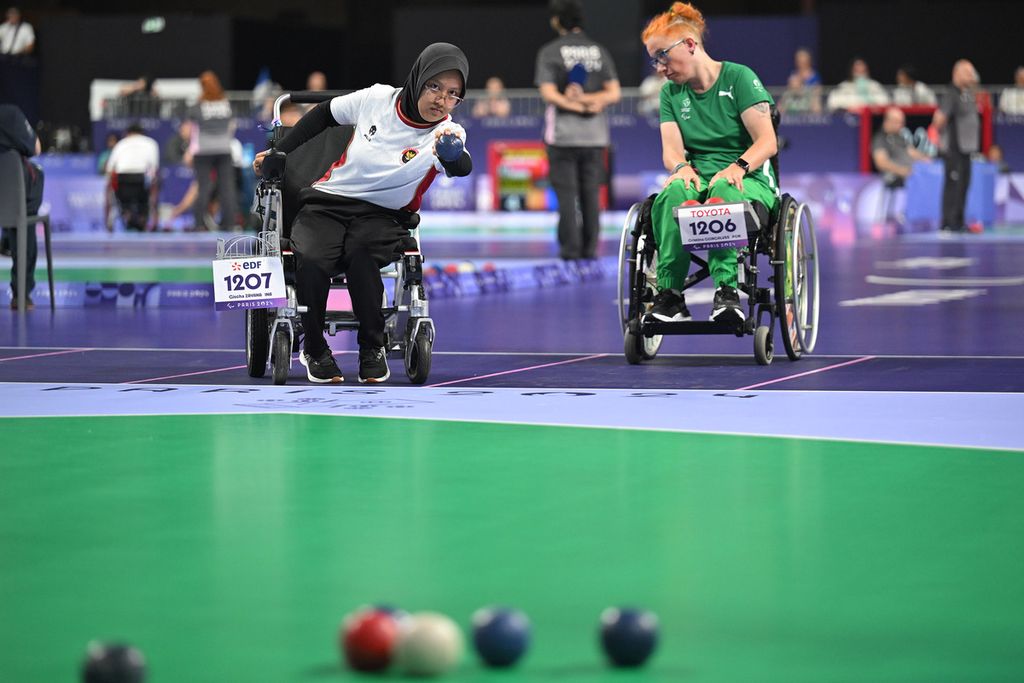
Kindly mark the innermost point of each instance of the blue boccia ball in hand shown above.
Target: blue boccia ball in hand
(449, 147)
(628, 636)
(500, 635)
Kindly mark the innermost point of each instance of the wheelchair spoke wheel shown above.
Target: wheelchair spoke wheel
(785, 278)
(806, 291)
(257, 341)
(281, 356)
(627, 254)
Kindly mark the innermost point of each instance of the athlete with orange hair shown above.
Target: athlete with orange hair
(717, 139)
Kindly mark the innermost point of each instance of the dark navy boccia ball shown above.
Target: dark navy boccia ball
(113, 663)
(500, 635)
(449, 147)
(628, 636)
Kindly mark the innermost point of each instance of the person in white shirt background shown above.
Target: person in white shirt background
(132, 169)
(16, 35)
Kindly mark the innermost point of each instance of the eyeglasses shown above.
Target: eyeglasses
(661, 56)
(451, 97)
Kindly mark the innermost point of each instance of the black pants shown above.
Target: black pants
(133, 195)
(333, 235)
(576, 174)
(205, 165)
(34, 199)
(954, 190)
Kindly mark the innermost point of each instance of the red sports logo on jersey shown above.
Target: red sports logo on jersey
(408, 155)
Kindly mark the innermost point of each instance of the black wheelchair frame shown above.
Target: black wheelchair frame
(276, 333)
(786, 238)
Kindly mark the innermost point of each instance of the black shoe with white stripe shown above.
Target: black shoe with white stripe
(373, 366)
(323, 369)
(669, 307)
(726, 308)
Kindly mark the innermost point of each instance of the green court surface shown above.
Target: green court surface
(129, 274)
(228, 548)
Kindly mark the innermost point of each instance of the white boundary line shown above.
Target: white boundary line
(529, 353)
(796, 437)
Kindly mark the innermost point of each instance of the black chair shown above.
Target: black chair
(13, 215)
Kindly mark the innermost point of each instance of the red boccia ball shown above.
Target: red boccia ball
(368, 640)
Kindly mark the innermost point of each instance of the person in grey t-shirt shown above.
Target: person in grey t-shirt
(213, 130)
(577, 79)
(959, 123)
(891, 150)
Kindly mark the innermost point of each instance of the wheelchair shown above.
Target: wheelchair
(791, 294)
(276, 333)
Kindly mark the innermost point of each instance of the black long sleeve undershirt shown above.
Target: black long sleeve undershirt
(313, 122)
(462, 166)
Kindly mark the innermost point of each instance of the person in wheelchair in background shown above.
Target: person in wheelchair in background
(717, 139)
(132, 172)
(355, 218)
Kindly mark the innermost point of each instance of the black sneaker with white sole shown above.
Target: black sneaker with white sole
(669, 307)
(323, 369)
(373, 366)
(726, 308)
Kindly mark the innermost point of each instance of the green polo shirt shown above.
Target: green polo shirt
(713, 133)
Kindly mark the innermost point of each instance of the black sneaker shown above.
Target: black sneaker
(373, 366)
(323, 369)
(727, 307)
(669, 307)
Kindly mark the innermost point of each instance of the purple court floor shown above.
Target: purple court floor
(899, 316)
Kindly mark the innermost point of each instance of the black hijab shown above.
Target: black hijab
(435, 58)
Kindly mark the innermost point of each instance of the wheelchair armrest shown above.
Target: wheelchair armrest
(273, 166)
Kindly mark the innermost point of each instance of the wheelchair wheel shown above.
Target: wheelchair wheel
(796, 278)
(636, 275)
(418, 357)
(257, 341)
(764, 347)
(281, 356)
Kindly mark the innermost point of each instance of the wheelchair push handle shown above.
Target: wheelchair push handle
(303, 97)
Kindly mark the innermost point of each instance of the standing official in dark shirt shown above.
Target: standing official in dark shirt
(959, 123)
(577, 80)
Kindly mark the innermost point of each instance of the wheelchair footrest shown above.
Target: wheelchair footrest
(649, 328)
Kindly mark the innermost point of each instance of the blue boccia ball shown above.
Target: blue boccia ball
(500, 635)
(449, 147)
(628, 636)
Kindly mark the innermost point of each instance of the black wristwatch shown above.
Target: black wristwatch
(742, 163)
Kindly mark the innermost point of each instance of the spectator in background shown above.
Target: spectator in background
(958, 123)
(803, 67)
(138, 98)
(101, 159)
(132, 169)
(859, 91)
(650, 93)
(800, 98)
(210, 151)
(494, 103)
(995, 156)
(17, 134)
(176, 146)
(909, 91)
(316, 81)
(576, 128)
(891, 150)
(1011, 100)
(16, 34)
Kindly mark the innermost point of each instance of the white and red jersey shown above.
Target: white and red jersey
(389, 161)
